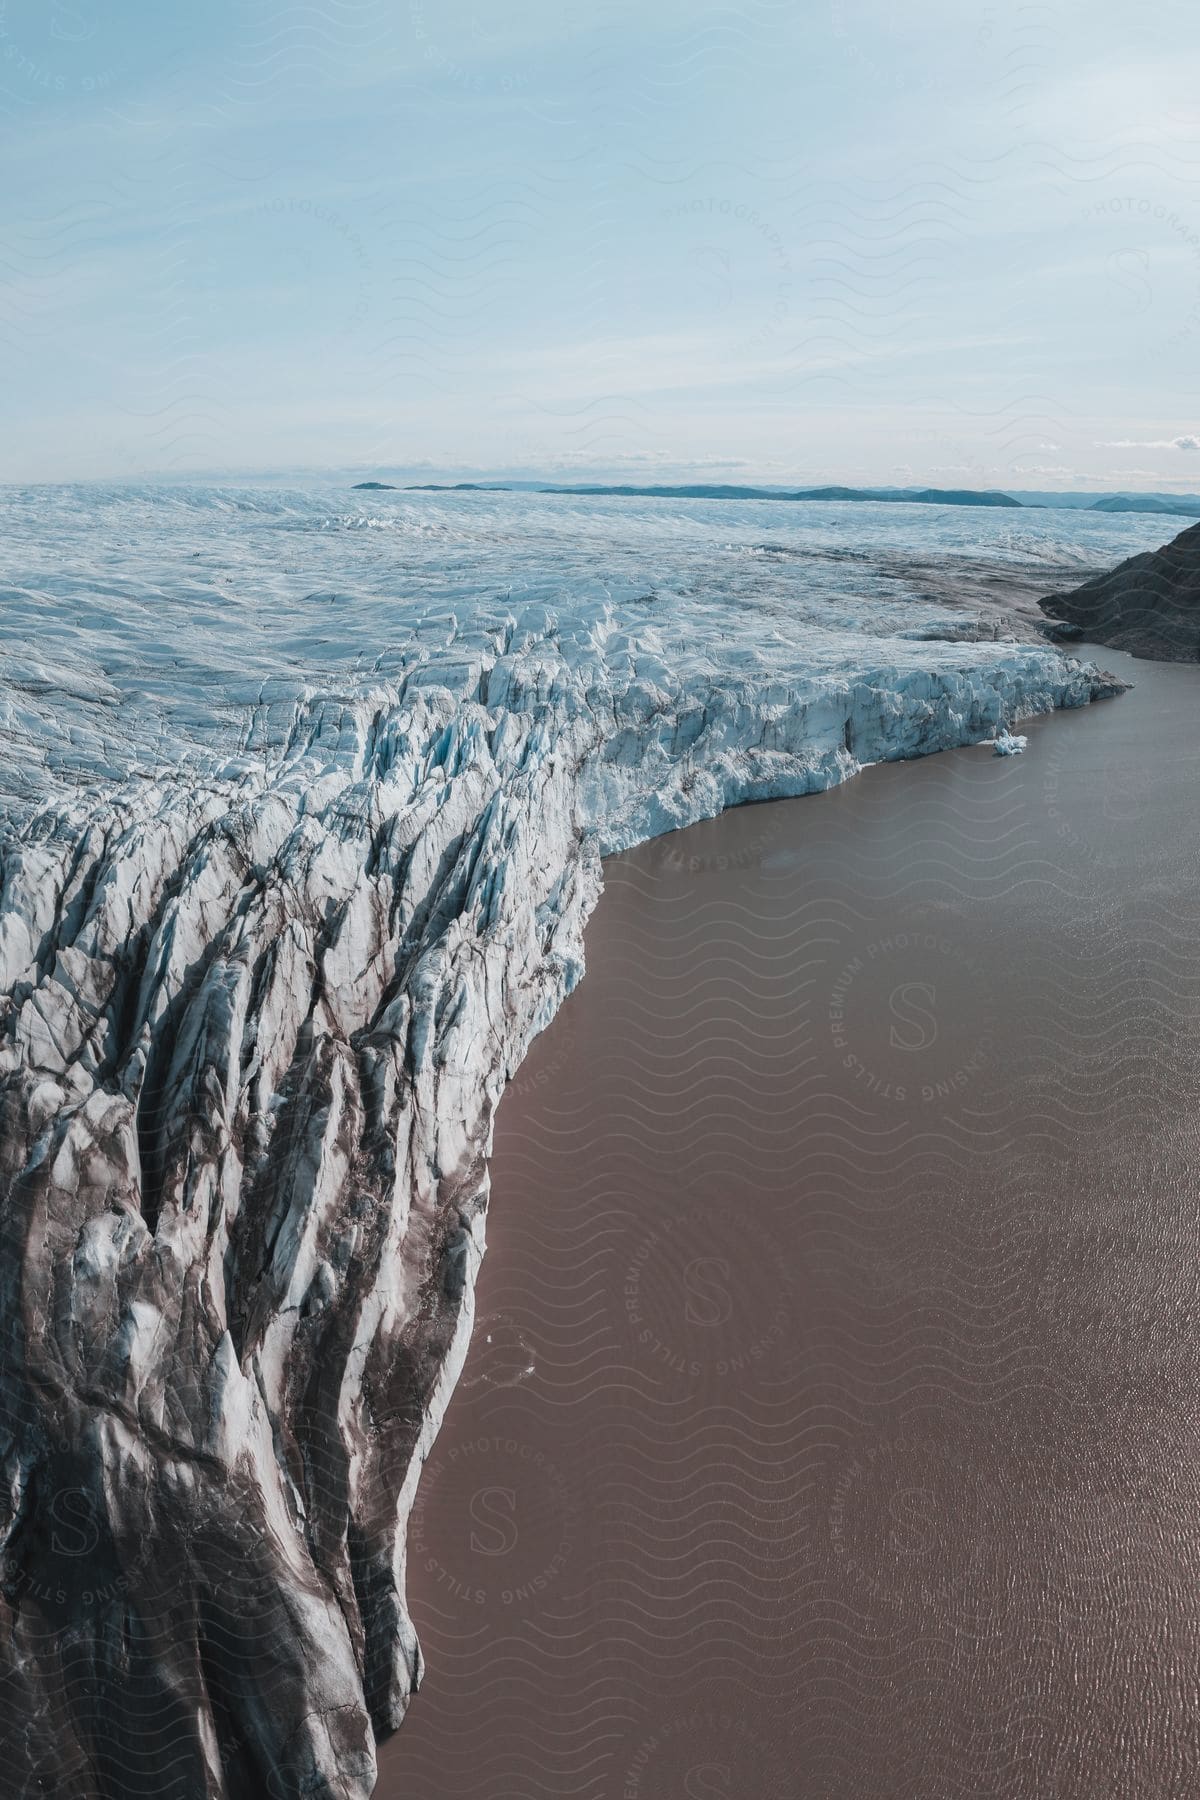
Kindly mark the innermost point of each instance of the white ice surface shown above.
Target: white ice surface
(303, 813)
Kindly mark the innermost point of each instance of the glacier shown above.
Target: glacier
(286, 891)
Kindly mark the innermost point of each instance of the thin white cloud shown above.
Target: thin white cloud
(1135, 475)
(654, 459)
(1186, 442)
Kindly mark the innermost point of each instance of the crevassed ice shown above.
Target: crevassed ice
(294, 867)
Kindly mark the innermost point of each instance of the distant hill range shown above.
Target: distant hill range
(724, 491)
(1149, 503)
(1149, 605)
(1186, 505)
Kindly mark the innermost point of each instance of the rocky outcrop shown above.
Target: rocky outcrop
(256, 1014)
(1148, 605)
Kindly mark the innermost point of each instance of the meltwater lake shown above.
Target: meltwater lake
(830, 1426)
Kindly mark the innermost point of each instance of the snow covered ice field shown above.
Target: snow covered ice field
(303, 802)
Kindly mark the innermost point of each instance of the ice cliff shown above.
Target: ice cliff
(263, 978)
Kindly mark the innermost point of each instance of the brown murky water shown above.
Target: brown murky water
(831, 1425)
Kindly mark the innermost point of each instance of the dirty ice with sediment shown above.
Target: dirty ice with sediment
(303, 797)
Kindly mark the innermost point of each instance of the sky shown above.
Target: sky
(952, 242)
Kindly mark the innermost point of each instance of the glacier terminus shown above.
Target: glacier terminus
(304, 801)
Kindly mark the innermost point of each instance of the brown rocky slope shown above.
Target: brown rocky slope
(1148, 605)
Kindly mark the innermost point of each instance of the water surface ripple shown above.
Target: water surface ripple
(830, 1429)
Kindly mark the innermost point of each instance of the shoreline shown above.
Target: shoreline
(696, 1077)
(259, 1010)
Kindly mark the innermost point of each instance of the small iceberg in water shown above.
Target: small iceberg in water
(1006, 743)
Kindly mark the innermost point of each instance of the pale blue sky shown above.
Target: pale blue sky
(952, 241)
